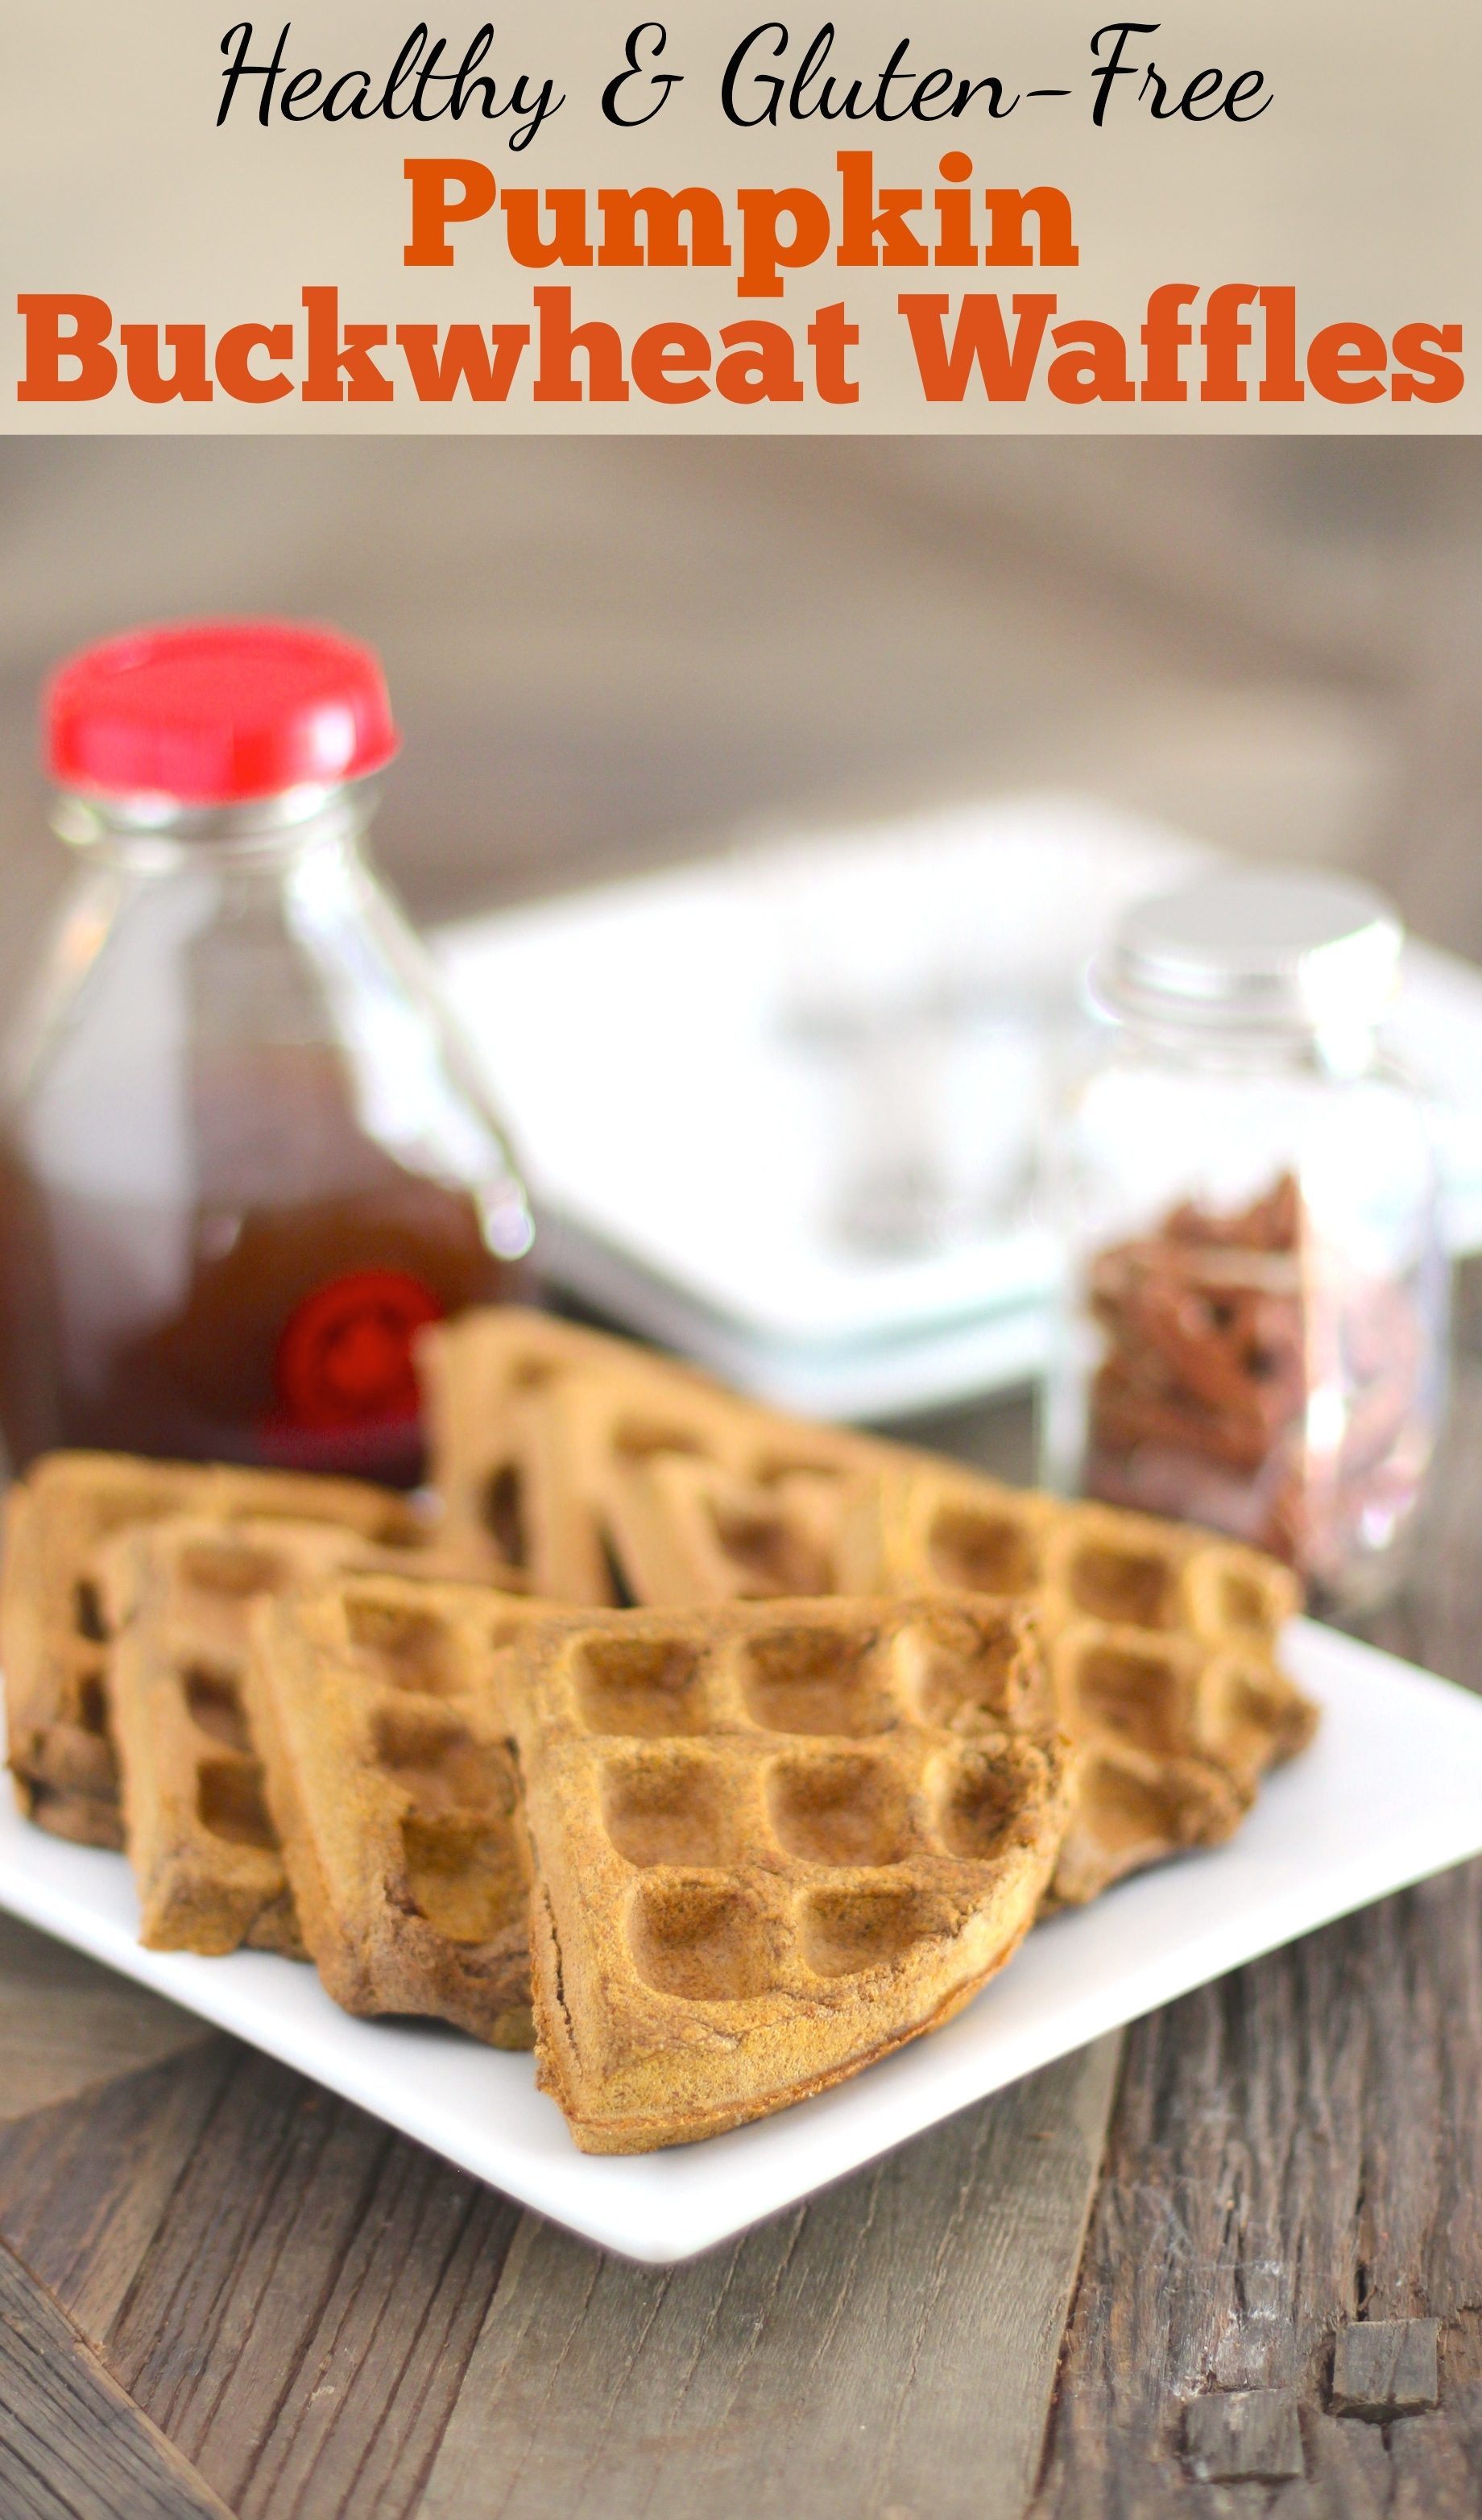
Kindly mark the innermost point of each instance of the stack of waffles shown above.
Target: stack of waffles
(712, 1753)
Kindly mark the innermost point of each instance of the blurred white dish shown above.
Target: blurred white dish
(779, 1109)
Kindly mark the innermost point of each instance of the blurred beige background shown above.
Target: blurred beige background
(611, 653)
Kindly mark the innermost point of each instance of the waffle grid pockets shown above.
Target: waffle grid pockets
(178, 1597)
(615, 1476)
(376, 1708)
(771, 1845)
(585, 1470)
(53, 1631)
(1162, 1642)
(751, 1752)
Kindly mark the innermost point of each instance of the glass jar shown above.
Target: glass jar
(1255, 1327)
(244, 1158)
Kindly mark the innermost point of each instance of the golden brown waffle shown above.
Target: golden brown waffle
(1161, 1641)
(771, 1843)
(177, 1599)
(575, 1465)
(376, 1706)
(53, 1640)
(693, 1532)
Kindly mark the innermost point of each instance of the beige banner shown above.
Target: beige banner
(916, 215)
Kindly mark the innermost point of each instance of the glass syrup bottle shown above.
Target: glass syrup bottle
(244, 1156)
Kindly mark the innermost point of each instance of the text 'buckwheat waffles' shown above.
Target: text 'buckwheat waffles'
(770, 1845)
(1161, 1644)
(384, 1731)
(53, 1631)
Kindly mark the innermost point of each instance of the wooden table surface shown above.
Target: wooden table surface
(223, 2291)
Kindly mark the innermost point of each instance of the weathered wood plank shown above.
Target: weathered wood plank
(1383, 2368)
(1264, 2183)
(72, 2444)
(888, 2346)
(67, 2024)
(1295, 2148)
(83, 2186)
(1236, 2434)
(371, 2396)
(310, 2298)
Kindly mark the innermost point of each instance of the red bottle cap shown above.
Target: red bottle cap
(217, 712)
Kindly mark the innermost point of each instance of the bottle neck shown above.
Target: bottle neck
(148, 836)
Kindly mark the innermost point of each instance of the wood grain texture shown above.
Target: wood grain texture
(835, 2360)
(67, 2024)
(83, 2186)
(1296, 2148)
(71, 2445)
(309, 2303)
(1383, 2368)
(1242, 2435)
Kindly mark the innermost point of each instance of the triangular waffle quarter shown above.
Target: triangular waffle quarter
(772, 1842)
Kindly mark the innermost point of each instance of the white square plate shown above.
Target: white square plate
(1390, 1791)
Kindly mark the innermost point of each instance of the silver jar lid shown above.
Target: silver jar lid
(1261, 951)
